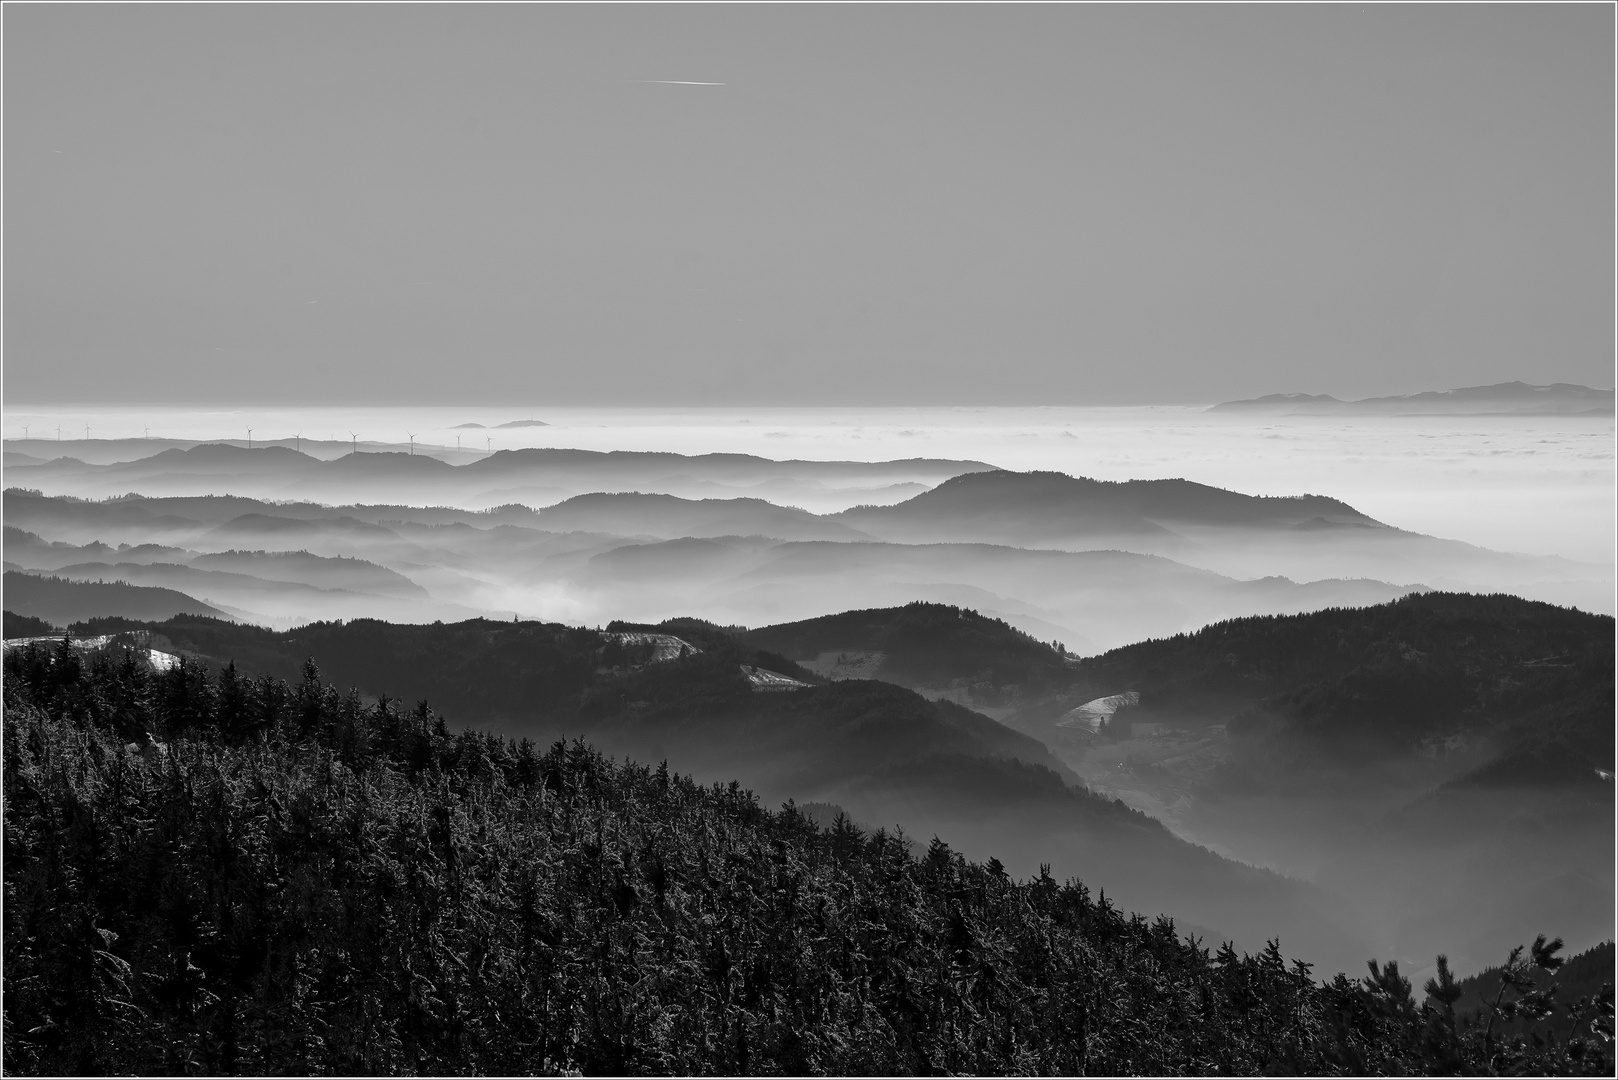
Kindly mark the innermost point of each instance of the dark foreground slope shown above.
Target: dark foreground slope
(883, 753)
(288, 881)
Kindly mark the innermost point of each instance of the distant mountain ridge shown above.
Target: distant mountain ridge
(667, 516)
(536, 476)
(1094, 564)
(1049, 508)
(980, 506)
(282, 587)
(613, 498)
(507, 424)
(60, 602)
(608, 466)
(1498, 399)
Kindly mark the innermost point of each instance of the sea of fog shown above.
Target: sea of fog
(1540, 485)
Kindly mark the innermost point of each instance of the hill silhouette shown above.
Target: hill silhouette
(330, 572)
(669, 517)
(62, 602)
(1384, 679)
(1507, 398)
(538, 476)
(919, 645)
(1288, 554)
(1045, 508)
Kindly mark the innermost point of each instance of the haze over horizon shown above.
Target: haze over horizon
(799, 205)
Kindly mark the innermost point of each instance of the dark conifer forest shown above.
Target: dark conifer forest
(212, 873)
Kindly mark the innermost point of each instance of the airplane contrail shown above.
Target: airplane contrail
(676, 82)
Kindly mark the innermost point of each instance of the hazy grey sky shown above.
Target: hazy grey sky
(1083, 205)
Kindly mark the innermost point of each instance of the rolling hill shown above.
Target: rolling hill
(885, 754)
(63, 602)
(1049, 509)
(332, 869)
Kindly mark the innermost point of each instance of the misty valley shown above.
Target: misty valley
(1272, 722)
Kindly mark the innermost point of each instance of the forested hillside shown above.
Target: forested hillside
(1314, 746)
(1532, 678)
(224, 875)
(885, 754)
(1412, 758)
(21, 626)
(924, 644)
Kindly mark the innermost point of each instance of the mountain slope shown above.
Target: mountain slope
(275, 599)
(1444, 762)
(1039, 509)
(669, 517)
(333, 537)
(936, 649)
(285, 881)
(327, 572)
(1304, 538)
(63, 602)
(884, 753)
(620, 467)
(1389, 677)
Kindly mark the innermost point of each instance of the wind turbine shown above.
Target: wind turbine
(86, 432)
(356, 439)
(487, 441)
(58, 434)
(457, 440)
(299, 443)
(147, 430)
(250, 438)
(412, 435)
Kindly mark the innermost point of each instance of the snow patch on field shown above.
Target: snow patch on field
(769, 681)
(1092, 714)
(161, 661)
(665, 647)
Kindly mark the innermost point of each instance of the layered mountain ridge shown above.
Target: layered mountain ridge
(1498, 399)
